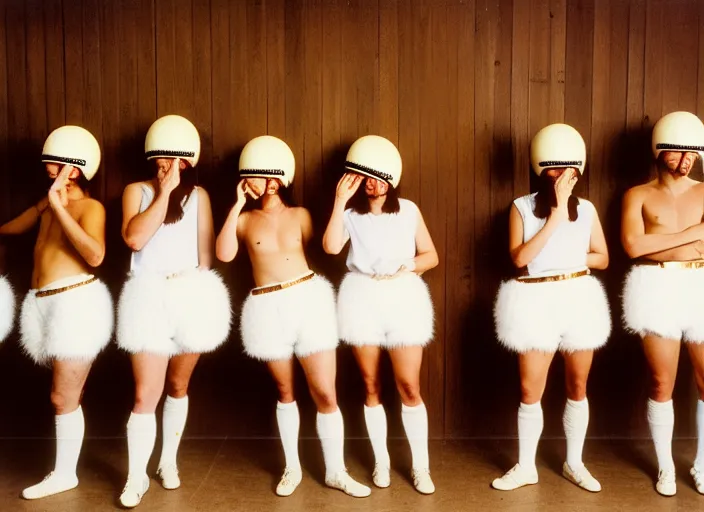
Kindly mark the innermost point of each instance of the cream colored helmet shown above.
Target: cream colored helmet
(268, 157)
(75, 146)
(678, 131)
(557, 145)
(376, 157)
(173, 136)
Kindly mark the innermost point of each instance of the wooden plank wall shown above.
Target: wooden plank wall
(459, 85)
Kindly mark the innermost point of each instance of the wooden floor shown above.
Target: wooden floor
(221, 475)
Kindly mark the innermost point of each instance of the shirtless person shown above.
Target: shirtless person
(172, 307)
(662, 228)
(67, 317)
(292, 310)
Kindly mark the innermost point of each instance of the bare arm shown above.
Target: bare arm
(306, 225)
(634, 238)
(598, 256)
(206, 233)
(26, 220)
(88, 234)
(426, 254)
(336, 236)
(523, 253)
(138, 228)
(227, 244)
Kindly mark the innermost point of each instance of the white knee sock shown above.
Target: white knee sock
(141, 434)
(289, 423)
(699, 461)
(375, 418)
(331, 431)
(530, 427)
(661, 418)
(575, 421)
(173, 424)
(415, 423)
(70, 429)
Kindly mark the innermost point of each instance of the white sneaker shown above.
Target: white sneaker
(698, 476)
(345, 483)
(666, 484)
(515, 477)
(168, 473)
(134, 489)
(53, 483)
(581, 477)
(381, 476)
(289, 481)
(422, 481)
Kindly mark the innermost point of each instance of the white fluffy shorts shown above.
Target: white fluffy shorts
(299, 319)
(665, 302)
(74, 324)
(7, 308)
(387, 313)
(185, 314)
(568, 316)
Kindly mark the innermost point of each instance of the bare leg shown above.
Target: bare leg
(696, 355)
(368, 358)
(69, 378)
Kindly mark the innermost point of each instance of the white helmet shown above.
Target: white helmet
(376, 157)
(678, 131)
(268, 157)
(557, 145)
(75, 146)
(173, 136)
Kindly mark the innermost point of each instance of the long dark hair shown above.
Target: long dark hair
(188, 182)
(360, 202)
(546, 199)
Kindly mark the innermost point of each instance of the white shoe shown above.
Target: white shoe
(666, 485)
(515, 477)
(581, 477)
(698, 476)
(134, 489)
(381, 476)
(168, 473)
(345, 483)
(289, 481)
(53, 483)
(422, 481)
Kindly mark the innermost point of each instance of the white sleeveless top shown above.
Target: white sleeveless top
(380, 244)
(174, 247)
(567, 248)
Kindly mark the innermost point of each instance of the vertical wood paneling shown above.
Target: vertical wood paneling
(461, 86)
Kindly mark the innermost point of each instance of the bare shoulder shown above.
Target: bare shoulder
(202, 193)
(300, 212)
(639, 193)
(89, 207)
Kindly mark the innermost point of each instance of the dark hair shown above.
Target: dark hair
(546, 199)
(188, 182)
(360, 202)
(285, 194)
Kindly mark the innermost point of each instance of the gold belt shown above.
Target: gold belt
(277, 287)
(671, 264)
(547, 279)
(47, 293)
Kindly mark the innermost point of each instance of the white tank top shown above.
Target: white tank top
(174, 247)
(567, 248)
(380, 244)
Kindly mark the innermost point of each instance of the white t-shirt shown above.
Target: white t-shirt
(568, 246)
(174, 247)
(380, 244)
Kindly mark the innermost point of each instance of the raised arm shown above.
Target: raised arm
(206, 233)
(637, 243)
(227, 244)
(335, 236)
(26, 220)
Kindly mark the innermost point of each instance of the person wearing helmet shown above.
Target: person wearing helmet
(70, 244)
(292, 309)
(555, 304)
(173, 306)
(383, 302)
(662, 231)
